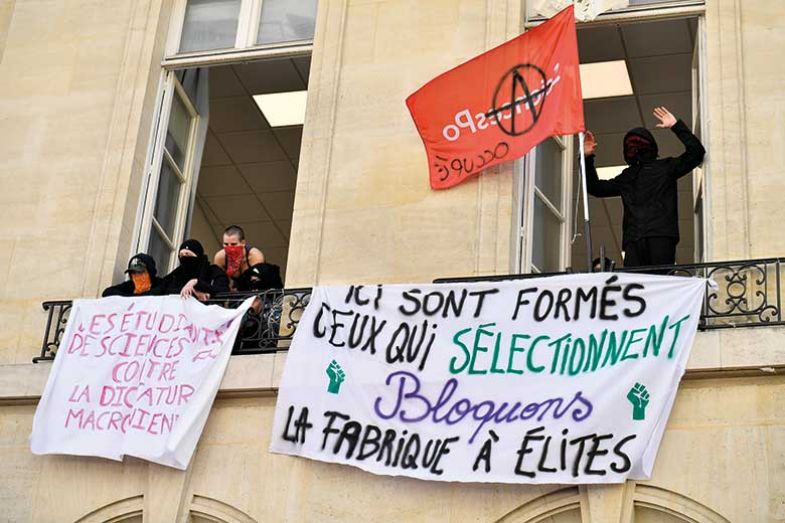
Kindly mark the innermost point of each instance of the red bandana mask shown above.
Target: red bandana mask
(234, 259)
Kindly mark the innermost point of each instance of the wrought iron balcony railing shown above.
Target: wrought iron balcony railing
(270, 329)
(748, 294)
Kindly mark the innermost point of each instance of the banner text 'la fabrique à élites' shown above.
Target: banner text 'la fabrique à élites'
(566, 379)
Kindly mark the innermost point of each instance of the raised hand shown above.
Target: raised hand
(667, 120)
(589, 144)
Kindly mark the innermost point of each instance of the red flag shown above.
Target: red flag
(497, 106)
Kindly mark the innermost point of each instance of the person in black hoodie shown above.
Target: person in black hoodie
(260, 277)
(143, 279)
(648, 190)
(195, 276)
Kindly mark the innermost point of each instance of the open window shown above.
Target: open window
(659, 46)
(659, 60)
(627, 69)
(174, 166)
(249, 170)
(226, 139)
(544, 227)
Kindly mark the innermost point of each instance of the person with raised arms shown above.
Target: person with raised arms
(648, 190)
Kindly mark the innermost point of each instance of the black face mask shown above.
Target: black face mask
(191, 265)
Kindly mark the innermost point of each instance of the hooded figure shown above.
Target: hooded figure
(260, 277)
(195, 273)
(648, 190)
(143, 279)
(639, 146)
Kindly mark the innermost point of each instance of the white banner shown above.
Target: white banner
(565, 379)
(136, 377)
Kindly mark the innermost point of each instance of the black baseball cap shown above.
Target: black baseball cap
(142, 263)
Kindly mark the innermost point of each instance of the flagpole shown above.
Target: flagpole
(586, 223)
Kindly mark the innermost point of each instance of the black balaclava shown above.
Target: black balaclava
(639, 146)
(190, 264)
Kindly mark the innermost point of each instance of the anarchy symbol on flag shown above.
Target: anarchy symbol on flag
(515, 82)
(491, 109)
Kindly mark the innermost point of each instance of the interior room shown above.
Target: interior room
(632, 68)
(249, 165)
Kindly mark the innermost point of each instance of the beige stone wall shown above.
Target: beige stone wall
(720, 461)
(746, 124)
(78, 81)
(76, 91)
(363, 210)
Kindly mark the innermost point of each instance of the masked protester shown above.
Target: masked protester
(260, 277)
(143, 279)
(648, 190)
(237, 259)
(195, 276)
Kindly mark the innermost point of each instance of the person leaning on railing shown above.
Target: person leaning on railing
(245, 265)
(648, 190)
(195, 276)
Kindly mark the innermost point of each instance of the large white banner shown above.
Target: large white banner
(136, 377)
(566, 379)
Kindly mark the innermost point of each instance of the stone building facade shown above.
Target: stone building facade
(83, 85)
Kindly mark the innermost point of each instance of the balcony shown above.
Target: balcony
(748, 293)
(269, 331)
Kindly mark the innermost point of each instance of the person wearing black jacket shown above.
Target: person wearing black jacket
(648, 190)
(195, 276)
(260, 277)
(143, 279)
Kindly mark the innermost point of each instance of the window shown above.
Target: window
(661, 62)
(698, 109)
(226, 25)
(286, 21)
(210, 24)
(172, 174)
(226, 142)
(543, 200)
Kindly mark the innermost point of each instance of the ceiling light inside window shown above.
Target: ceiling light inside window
(605, 79)
(282, 109)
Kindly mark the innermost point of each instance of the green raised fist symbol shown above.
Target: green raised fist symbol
(336, 375)
(639, 397)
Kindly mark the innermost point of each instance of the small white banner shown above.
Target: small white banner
(136, 377)
(566, 379)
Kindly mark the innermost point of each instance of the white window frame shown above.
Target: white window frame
(700, 122)
(245, 44)
(170, 87)
(526, 191)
